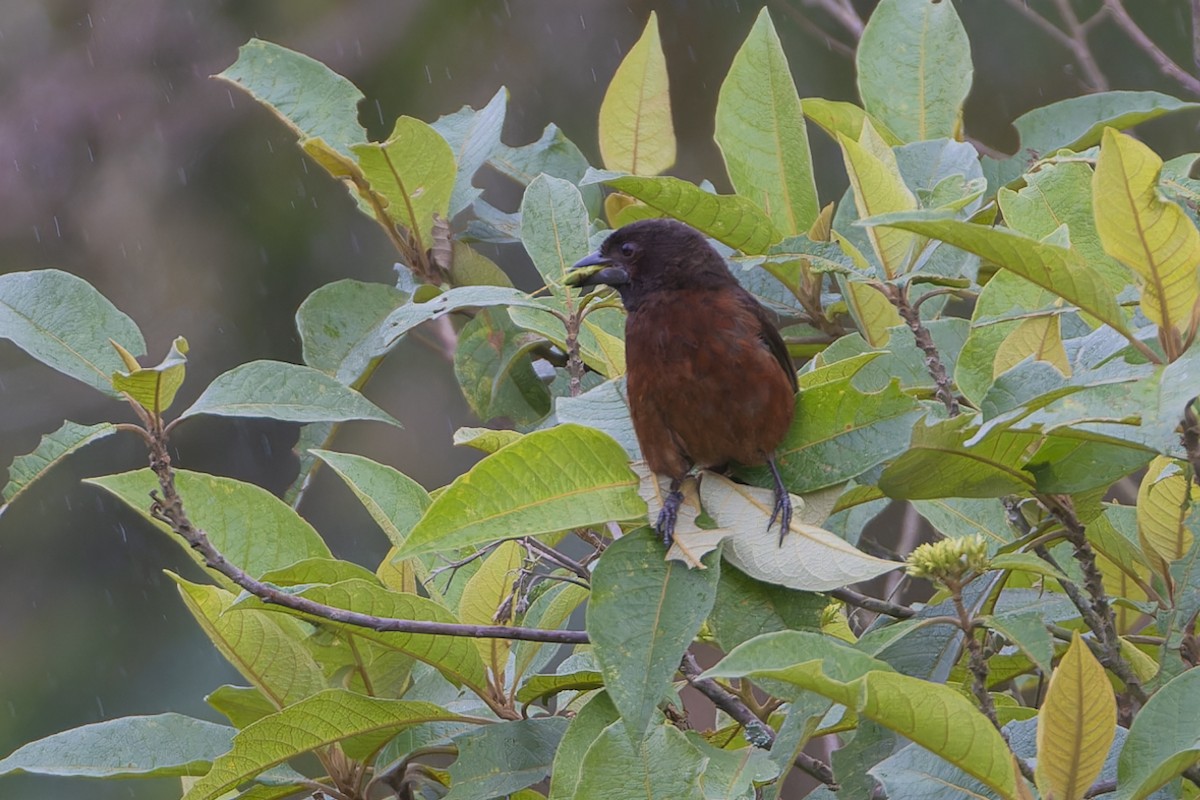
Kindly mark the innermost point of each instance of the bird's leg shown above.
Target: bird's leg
(670, 510)
(783, 502)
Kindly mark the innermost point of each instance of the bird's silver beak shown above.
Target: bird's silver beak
(594, 269)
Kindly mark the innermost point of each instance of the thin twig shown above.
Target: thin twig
(1080, 48)
(1161, 60)
(758, 733)
(867, 603)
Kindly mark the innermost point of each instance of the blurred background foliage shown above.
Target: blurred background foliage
(189, 206)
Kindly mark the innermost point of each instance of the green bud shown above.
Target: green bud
(949, 559)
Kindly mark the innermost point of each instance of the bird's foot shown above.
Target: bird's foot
(666, 518)
(783, 503)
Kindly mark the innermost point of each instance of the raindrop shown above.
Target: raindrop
(266, 446)
(582, 24)
(449, 77)
(692, 53)
(100, 705)
(549, 29)
(89, 20)
(57, 230)
(37, 234)
(124, 252)
(35, 125)
(358, 48)
(91, 155)
(355, 245)
(379, 111)
(270, 147)
(182, 173)
(594, 79)
(262, 255)
(230, 93)
(16, 166)
(124, 533)
(304, 165)
(428, 74)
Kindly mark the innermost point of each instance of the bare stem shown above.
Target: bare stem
(933, 360)
(867, 603)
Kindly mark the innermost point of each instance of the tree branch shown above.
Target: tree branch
(169, 509)
(933, 359)
(867, 603)
(1165, 64)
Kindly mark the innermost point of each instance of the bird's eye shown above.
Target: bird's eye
(629, 249)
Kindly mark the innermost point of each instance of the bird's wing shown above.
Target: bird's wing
(770, 335)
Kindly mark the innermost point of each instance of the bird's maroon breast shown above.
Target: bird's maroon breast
(704, 387)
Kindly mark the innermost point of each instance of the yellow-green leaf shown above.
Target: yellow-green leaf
(489, 588)
(839, 117)
(153, 388)
(760, 130)
(1152, 236)
(872, 312)
(551, 480)
(1076, 725)
(265, 648)
(1164, 503)
(879, 189)
(1040, 337)
(636, 132)
(414, 172)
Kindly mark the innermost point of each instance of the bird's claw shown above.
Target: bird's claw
(783, 502)
(667, 516)
(782, 512)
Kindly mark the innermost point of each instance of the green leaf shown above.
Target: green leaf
(1057, 269)
(957, 517)
(733, 774)
(762, 135)
(52, 449)
(939, 464)
(914, 68)
(308, 96)
(1027, 630)
(412, 314)
(266, 650)
(394, 500)
(1164, 739)
(160, 745)
(250, 526)
(643, 614)
(341, 324)
(502, 758)
(1078, 122)
(587, 726)
(473, 136)
(552, 480)
(485, 440)
(327, 718)
(601, 336)
(554, 229)
(605, 408)
(492, 365)
(540, 686)
(1057, 195)
(241, 704)
(746, 607)
(914, 772)
(1150, 235)
(838, 433)
(730, 219)
(154, 388)
(414, 172)
(66, 324)
(553, 154)
(840, 117)
(454, 656)
(287, 392)
(318, 570)
(636, 133)
(663, 766)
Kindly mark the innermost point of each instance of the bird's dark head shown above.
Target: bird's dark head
(653, 255)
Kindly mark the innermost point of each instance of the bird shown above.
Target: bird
(709, 378)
